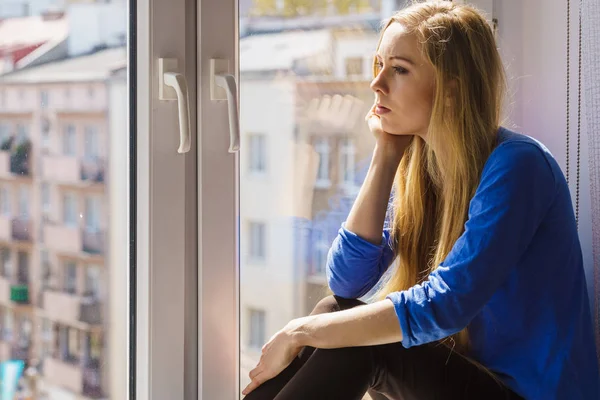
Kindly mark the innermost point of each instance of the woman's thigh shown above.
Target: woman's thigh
(432, 372)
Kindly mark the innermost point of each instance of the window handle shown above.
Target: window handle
(221, 78)
(227, 82)
(175, 81)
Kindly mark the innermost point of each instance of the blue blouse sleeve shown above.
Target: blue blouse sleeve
(515, 192)
(354, 265)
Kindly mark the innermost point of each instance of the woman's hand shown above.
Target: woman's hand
(277, 354)
(395, 143)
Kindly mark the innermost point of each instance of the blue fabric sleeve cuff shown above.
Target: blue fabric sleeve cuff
(399, 300)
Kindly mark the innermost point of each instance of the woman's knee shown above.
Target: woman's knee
(335, 303)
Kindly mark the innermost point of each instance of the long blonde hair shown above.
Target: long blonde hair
(436, 180)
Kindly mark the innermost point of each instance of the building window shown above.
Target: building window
(69, 141)
(257, 241)
(354, 67)
(5, 259)
(23, 260)
(257, 329)
(70, 209)
(91, 142)
(323, 150)
(92, 214)
(70, 278)
(45, 271)
(5, 201)
(258, 153)
(8, 324)
(348, 164)
(24, 202)
(92, 281)
(45, 189)
(22, 133)
(4, 133)
(44, 99)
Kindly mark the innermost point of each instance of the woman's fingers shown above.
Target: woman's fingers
(257, 370)
(258, 380)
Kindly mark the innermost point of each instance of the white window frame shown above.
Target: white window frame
(164, 260)
(218, 212)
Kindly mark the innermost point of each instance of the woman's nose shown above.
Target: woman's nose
(378, 84)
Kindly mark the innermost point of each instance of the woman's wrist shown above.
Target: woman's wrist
(300, 330)
(389, 152)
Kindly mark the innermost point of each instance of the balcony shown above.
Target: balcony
(60, 169)
(72, 170)
(68, 239)
(19, 353)
(19, 294)
(22, 229)
(20, 159)
(4, 163)
(85, 380)
(63, 238)
(5, 227)
(93, 241)
(69, 308)
(11, 293)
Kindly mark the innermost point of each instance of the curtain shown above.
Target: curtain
(590, 43)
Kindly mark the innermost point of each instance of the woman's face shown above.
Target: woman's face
(404, 87)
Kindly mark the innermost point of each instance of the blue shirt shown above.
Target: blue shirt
(515, 277)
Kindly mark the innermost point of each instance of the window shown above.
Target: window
(22, 133)
(45, 191)
(5, 259)
(4, 132)
(44, 99)
(92, 281)
(257, 329)
(91, 142)
(347, 164)
(323, 150)
(70, 277)
(92, 214)
(5, 201)
(24, 202)
(257, 241)
(354, 67)
(258, 153)
(70, 210)
(45, 269)
(9, 323)
(69, 141)
(23, 259)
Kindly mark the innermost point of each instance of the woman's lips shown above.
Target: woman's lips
(379, 110)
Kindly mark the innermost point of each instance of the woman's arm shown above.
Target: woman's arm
(368, 325)
(367, 215)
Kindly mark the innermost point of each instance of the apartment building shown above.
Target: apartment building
(54, 131)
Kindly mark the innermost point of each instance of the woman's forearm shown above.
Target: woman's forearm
(368, 325)
(368, 211)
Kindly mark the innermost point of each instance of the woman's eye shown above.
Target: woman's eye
(400, 70)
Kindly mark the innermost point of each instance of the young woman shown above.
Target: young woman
(488, 299)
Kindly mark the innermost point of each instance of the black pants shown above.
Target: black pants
(389, 371)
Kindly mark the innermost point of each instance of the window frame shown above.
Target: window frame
(160, 359)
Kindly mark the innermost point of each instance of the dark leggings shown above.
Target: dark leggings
(388, 371)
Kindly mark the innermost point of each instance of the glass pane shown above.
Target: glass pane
(302, 109)
(63, 105)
